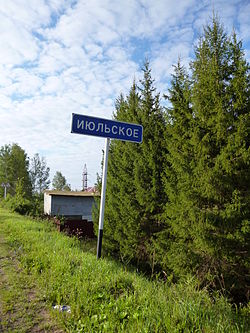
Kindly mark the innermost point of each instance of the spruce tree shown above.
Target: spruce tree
(121, 218)
(149, 166)
(134, 200)
(209, 227)
(173, 241)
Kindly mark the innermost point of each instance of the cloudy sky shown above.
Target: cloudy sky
(59, 57)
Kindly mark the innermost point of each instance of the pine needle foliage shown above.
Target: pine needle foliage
(134, 200)
(177, 175)
(180, 201)
(208, 178)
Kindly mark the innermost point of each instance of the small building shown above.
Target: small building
(75, 207)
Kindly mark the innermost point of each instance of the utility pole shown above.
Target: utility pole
(5, 185)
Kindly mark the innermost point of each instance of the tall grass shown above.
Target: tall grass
(106, 297)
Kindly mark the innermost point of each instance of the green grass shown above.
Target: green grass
(106, 297)
(21, 308)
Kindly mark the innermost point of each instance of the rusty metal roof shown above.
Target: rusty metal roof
(91, 189)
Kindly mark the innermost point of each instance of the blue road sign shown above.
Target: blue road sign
(113, 129)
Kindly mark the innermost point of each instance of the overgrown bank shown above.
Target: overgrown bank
(22, 308)
(105, 297)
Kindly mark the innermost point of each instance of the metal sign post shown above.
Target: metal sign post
(110, 129)
(103, 195)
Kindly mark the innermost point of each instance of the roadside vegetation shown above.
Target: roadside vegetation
(177, 207)
(22, 307)
(179, 202)
(103, 295)
(23, 180)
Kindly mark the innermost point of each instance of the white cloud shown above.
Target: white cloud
(17, 45)
(24, 83)
(59, 56)
(30, 14)
(5, 103)
(243, 19)
(17, 21)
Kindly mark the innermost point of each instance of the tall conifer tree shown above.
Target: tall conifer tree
(134, 200)
(121, 230)
(177, 174)
(214, 209)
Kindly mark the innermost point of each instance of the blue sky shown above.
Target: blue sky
(60, 57)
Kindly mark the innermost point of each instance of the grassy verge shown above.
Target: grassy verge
(104, 296)
(21, 307)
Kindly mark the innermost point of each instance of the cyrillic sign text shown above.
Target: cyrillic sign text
(87, 125)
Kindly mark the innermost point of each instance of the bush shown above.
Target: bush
(23, 204)
(19, 205)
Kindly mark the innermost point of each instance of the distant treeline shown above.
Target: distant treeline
(179, 203)
(23, 180)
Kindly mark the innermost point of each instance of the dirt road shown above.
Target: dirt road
(22, 308)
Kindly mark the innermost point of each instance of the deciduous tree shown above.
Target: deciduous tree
(39, 174)
(14, 166)
(60, 183)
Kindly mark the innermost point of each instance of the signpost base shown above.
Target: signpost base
(99, 243)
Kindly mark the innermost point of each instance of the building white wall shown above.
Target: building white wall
(47, 203)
